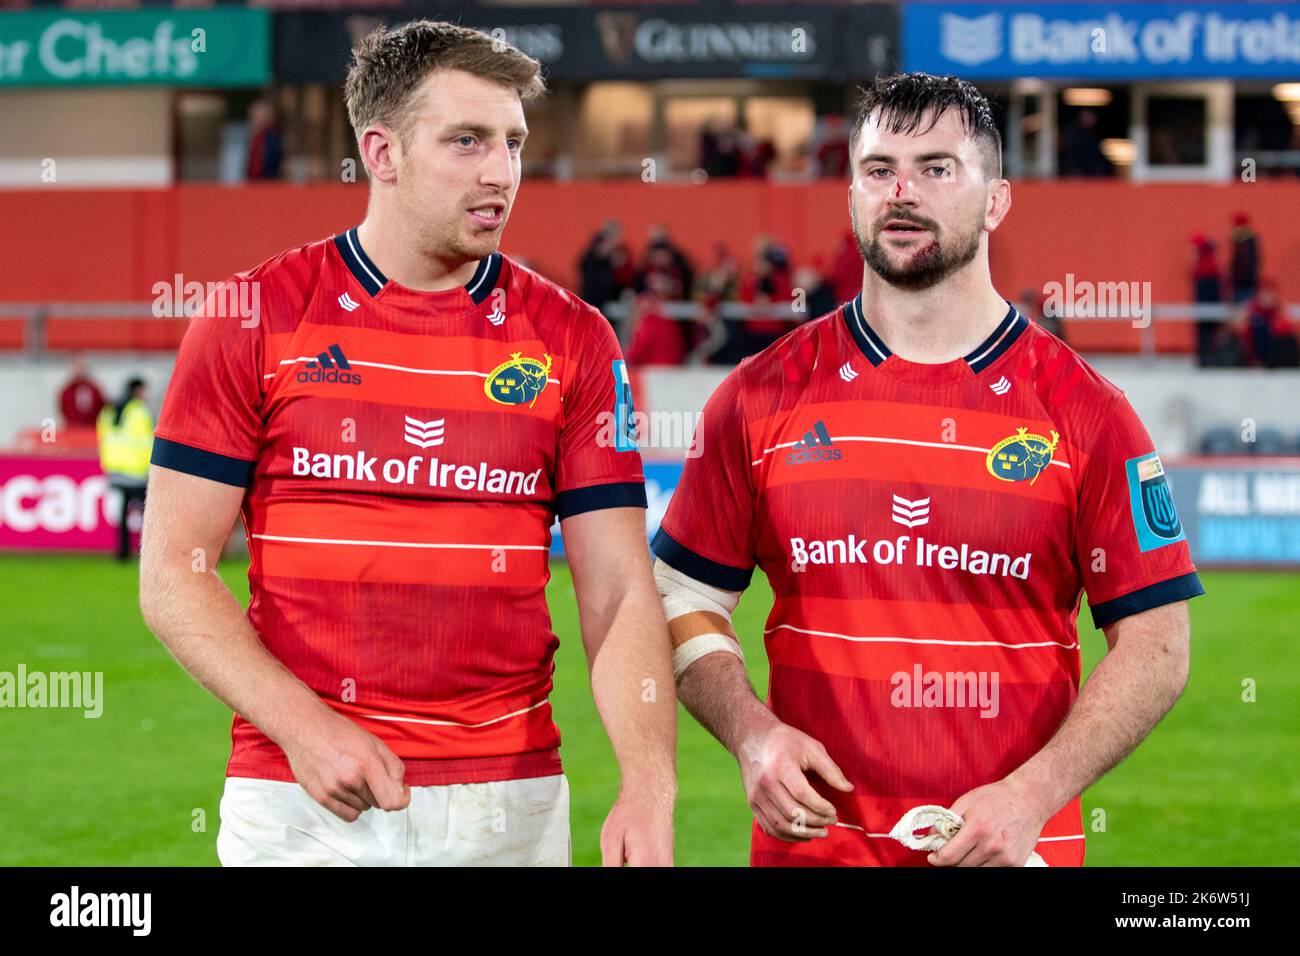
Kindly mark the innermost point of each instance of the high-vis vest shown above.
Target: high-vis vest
(124, 447)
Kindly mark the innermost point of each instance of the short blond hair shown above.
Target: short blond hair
(391, 62)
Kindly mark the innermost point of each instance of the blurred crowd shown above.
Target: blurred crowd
(728, 151)
(1257, 331)
(670, 311)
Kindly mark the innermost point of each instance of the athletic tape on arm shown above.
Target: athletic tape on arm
(699, 616)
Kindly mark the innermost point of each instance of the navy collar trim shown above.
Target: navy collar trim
(871, 344)
(358, 263)
(995, 346)
(479, 287)
(485, 278)
(1011, 327)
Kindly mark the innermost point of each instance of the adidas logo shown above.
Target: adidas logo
(425, 434)
(496, 316)
(816, 445)
(847, 373)
(911, 514)
(1001, 386)
(349, 303)
(330, 366)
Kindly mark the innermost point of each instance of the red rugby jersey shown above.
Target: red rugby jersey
(405, 454)
(927, 531)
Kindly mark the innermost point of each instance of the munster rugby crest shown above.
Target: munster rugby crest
(1021, 457)
(518, 380)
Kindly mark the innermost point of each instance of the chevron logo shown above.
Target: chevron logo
(847, 373)
(1001, 386)
(496, 316)
(911, 514)
(424, 434)
(349, 303)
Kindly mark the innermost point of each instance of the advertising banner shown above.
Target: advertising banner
(56, 504)
(1096, 41)
(226, 46)
(629, 41)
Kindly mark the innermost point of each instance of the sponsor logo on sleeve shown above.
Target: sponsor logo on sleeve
(625, 432)
(1152, 503)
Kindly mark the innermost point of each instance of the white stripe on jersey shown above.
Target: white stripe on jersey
(917, 640)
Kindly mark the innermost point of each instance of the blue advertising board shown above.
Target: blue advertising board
(1240, 513)
(1114, 41)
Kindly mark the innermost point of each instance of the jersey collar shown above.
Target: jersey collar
(1011, 327)
(372, 280)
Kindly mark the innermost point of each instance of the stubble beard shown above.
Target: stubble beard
(923, 269)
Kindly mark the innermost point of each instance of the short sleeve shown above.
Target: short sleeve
(211, 419)
(599, 463)
(708, 530)
(1132, 550)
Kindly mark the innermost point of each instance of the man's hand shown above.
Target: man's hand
(773, 765)
(346, 769)
(637, 832)
(1000, 826)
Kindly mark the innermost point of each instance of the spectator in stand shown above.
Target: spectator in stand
(720, 280)
(606, 266)
(833, 159)
(676, 262)
(656, 338)
(719, 151)
(718, 339)
(80, 400)
(125, 431)
(756, 155)
(1207, 289)
(1269, 338)
(819, 297)
(265, 144)
(768, 289)
(1243, 269)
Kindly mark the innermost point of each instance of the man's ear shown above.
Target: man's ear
(999, 204)
(381, 151)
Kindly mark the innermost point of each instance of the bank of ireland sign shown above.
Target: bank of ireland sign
(1112, 41)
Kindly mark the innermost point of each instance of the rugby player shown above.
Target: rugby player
(398, 425)
(930, 482)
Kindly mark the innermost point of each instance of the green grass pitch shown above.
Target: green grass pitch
(1214, 784)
